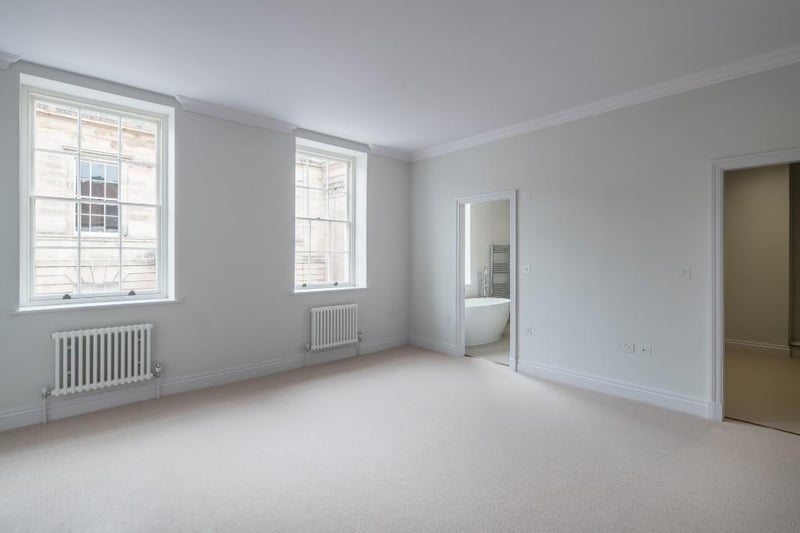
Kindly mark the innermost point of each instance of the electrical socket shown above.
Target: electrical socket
(645, 349)
(529, 330)
(627, 347)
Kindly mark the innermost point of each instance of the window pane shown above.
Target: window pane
(54, 174)
(55, 126)
(99, 133)
(112, 191)
(300, 174)
(318, 268)
(98, 229)
(55, 271)
(320, 239)
(316, 176)
(301, 235)
(317, 204)
(99, 270)
(337, 202)
(139, 184)
(340, 267)
(139, 226)
(98, 187)
(340, 237)
(139, 270)
(338, 176)
(112, 174)
(98, 172)
(139, 140)
(301, 262)
(54, 223)
(300, 199)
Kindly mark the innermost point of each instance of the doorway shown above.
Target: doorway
(758, 283)
(486, 277)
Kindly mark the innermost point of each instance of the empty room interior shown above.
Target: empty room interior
(400, 266)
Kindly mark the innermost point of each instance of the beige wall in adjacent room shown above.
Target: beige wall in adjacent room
(757, 284)
(489, 225)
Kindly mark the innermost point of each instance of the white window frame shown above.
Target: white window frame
(32, 87)
(356, 213)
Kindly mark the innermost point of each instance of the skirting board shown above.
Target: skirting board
(58, 408)
(757, 347)
(434, 345)
(632, 392)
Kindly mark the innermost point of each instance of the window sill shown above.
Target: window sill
(329, 289)
(90, 305)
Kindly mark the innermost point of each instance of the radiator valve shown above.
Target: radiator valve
(157, 370)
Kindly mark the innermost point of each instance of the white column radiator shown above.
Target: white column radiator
(333, 326)
(91, 359)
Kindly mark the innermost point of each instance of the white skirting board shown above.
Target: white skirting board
(758, 347)
(68, 406)
(434, 345)
(666, 400)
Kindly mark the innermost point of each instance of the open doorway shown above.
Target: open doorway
(761, 295)
(486, 277)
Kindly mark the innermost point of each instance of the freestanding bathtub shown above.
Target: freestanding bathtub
(485, 319)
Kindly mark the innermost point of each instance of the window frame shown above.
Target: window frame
(33, 88)
(356, 215)
(350, 221)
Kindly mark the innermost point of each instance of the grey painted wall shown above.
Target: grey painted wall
(756, 222)
(620, 205)
(226, 320)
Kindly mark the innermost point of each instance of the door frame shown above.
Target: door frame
(460, 291)
(718, 169)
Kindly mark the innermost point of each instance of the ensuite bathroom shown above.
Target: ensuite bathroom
(487, 277)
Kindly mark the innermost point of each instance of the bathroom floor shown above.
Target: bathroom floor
(496, 352)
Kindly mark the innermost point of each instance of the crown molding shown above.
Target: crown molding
(6, 60)
(738, 69)
(391, 153)
(234, 115)
(324, 138)
(269, 123)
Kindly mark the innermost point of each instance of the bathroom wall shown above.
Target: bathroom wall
(489, 225)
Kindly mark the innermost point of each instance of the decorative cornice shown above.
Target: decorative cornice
(738, 69)
(332, 140)
(234, 115)
(391, 153)
(269, 123)
(6, 60)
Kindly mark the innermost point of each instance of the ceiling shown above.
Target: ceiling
(409, 74)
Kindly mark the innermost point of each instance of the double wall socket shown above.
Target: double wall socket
(627, 347)
(633, 348)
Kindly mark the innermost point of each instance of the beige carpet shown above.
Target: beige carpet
(763, 389)
(405, 440)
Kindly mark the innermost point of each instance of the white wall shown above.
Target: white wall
(222, 323)
(757, 286)
(489, 225)
(620, 204)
